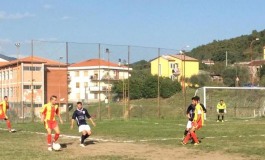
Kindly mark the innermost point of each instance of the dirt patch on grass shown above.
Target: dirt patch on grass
(142, 151)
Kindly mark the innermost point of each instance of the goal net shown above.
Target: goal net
(241, 102)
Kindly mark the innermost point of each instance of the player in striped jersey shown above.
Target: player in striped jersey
(197, 123)
(4, 106)
(48, 113)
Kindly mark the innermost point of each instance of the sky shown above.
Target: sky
(171, 24)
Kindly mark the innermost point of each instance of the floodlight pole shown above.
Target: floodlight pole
(108, 88)
(17, 90)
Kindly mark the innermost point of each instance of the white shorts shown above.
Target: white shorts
(189, 125)
(84, 128)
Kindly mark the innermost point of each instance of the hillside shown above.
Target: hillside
(238, 48)
(6, 57)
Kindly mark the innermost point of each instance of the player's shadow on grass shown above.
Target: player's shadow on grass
(64, 145)
(90, 142)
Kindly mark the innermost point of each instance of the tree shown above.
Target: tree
(168, 87)
(200, 79)
(150, 87)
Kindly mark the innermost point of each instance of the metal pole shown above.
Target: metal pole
(99, 107)
(60, 83)
(158, 86)
(123, 91)
(226, 58)
(17, 90)
(67, 63)
(128, 82)
(32, 107)
(185, 93)
(108, 88)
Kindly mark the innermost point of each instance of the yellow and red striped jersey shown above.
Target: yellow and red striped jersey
(199, 110)
(3, 107)
(49, 111)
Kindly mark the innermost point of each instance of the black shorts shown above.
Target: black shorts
(221, 111)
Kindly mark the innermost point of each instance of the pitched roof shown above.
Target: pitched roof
(256, 63)
(183, 57)
(168, 57)
(178, 56)
(33, 59)
(94, 62)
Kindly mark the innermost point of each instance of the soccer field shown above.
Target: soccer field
(139, 139)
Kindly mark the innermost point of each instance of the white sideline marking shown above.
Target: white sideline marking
(131, 141)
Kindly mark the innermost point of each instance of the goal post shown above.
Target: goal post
(240, 101)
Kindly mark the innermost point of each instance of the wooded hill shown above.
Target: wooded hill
(238, 48)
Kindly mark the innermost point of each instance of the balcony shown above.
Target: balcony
(104, 78)
(175, 72)
(98, 89)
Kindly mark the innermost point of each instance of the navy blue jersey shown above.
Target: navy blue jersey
(80, 116)
(190, 111)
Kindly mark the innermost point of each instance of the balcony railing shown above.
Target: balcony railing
(98, 89)
(104, 78)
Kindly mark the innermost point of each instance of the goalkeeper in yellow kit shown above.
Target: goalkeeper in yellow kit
(221, 110)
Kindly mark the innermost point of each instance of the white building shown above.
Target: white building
(89, 80)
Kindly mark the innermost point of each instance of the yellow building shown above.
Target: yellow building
(175, 66)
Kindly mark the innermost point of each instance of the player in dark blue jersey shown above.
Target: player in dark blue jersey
(80, 115)
(190, 115)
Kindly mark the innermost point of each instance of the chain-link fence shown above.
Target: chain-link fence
(83, 72)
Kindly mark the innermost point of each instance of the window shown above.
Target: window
(34, 87)
(4, 75)
(11, 92)
(173, 77)
(85, 73)
(26, 87)
(7, 75)
(37, 105)
(11, 74)
(95, 96)
(31, 68)
(77, 85)
(77, 73)
(172, 65)
(37, 86)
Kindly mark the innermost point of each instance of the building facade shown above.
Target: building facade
(92, 80)
(30, 81)
(175, 66)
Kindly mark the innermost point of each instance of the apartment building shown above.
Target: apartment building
(30, 81)
(92, 79)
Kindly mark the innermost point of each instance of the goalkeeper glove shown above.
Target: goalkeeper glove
(217, 110)
(225, 111)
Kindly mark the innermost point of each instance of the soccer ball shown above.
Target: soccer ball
(56, 146)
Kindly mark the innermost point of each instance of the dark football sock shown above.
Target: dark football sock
(83, 138)
(86, 136)
(185, 132)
